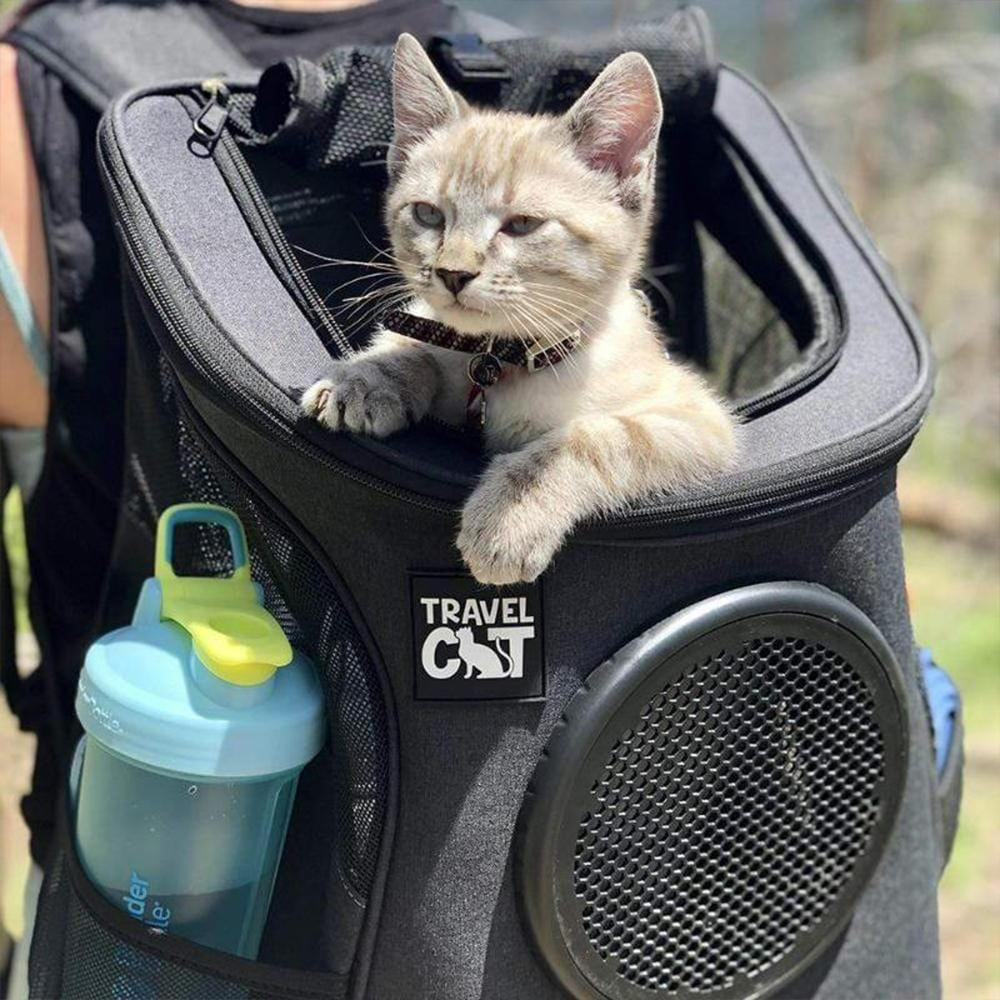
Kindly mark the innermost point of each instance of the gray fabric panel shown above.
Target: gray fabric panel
(449, 927)
(729, 331)
(213, 245)
(877, 369)
(105, 48)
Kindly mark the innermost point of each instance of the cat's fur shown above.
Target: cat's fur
(617, 420)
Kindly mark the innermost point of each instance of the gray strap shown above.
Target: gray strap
(102, 49)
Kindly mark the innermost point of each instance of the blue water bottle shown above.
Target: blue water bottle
(198, 718)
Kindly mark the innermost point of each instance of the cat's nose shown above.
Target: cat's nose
(454, 281)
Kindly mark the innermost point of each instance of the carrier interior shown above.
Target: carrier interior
(733, 282)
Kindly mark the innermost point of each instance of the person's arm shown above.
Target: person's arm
(23, 392)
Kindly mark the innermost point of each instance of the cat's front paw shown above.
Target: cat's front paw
(507, 534)
(357, 396)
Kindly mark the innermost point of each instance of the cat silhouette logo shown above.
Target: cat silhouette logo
(472, 642)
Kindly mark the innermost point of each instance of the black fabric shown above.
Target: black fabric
(71, 519)
(464, 770)
(264, 35)
(101, 48)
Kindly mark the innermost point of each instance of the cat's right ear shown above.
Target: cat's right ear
(421, 100)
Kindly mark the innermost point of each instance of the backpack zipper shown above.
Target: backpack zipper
(738, 506)
(250, 408)
(246, 191)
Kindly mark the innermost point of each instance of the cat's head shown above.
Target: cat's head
(518, 224)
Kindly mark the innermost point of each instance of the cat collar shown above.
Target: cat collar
(488, 349)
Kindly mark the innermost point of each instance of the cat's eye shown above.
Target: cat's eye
(428, 215)
(521, 225)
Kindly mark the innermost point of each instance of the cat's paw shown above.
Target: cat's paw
(357, 396)
(508, 535)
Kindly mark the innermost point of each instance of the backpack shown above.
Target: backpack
(710, 770)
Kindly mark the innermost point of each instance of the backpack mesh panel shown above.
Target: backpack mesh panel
(546, 76)
(316, 621)
(75, 955)
(167, 464)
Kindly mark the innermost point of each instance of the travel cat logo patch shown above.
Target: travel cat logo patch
(472, 642)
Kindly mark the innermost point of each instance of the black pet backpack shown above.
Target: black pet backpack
(708, 770)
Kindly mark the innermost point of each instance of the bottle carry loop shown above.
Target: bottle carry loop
(233, 635)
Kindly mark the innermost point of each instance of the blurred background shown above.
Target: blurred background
(901, 99)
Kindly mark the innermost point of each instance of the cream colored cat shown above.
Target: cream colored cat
(532, 228)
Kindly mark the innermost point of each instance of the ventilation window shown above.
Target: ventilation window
(705, 820)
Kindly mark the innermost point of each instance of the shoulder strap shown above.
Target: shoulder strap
(101, 49)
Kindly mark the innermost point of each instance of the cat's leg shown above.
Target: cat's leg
(378, 392)
(529, 500)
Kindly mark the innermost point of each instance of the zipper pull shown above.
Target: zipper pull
(211, 120)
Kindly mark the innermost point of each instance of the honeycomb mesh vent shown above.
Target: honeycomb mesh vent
(727, 820)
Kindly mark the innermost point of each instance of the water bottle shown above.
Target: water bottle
(198, 718)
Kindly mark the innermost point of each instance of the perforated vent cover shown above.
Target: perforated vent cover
(715, 799)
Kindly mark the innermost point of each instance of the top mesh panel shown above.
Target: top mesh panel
(546, 76)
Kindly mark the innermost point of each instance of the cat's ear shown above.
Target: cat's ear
(421, 100)
(616, 123)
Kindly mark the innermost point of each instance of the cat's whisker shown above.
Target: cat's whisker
(521, 332)
(547, 296)
(394, 275)
(368, 266)
(565, 321)
(574, 312)
(337, 261)
(375, 300)
(386, 251)
(370, 318)
(533, 334)
(371, 295)
(564, 353)
(537, 287)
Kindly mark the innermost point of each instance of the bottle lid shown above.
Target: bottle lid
(193, 685)
(233, 636)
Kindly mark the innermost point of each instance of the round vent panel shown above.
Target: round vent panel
(715, 800)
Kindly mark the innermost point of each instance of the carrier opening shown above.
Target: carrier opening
(733, 285)
(733, 282)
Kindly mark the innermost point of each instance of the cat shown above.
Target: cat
(533, 228)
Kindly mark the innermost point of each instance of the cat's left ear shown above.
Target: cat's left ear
(616, 123)
(421, 100)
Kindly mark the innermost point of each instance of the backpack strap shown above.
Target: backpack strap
(101, 49)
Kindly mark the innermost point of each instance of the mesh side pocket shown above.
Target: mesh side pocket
(334, 840)
(299, 595)
(83, 948)
(169, 464)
